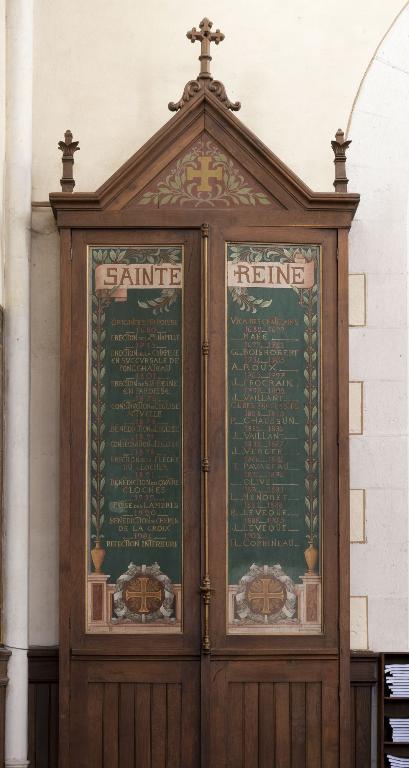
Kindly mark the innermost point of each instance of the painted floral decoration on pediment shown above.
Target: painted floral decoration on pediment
(204, 177)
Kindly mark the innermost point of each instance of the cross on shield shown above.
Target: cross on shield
(266, 595)
(143, 594)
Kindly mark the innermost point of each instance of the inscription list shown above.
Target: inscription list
(136, 418)
(267, 413)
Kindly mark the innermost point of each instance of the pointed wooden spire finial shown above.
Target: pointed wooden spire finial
(340, 147)
(68, 147)
(205, 80)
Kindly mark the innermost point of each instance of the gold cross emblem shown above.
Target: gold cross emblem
(204, 174)
(266, 595)
(143, 595)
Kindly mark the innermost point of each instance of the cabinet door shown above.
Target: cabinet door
(132, 559)
(273, 506)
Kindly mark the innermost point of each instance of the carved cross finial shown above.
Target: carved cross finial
(340, 147)
(68, 147)
(204, 81)
(205, 37)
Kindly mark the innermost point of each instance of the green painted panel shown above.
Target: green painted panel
(273, 431)
(135, 413)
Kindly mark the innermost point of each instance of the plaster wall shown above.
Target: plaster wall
(378, 167)
(18, 145)
(107, 72)
(44, 426)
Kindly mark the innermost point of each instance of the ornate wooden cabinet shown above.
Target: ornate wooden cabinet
(204, 453)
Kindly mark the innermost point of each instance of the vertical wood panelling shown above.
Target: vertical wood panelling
(53, 726)
(43, 708)
(148, 720)
(361, 721)
(282, 718)
(43, 703)
(363, 695)
(126, 726)
(330, 714)
(266, 729)
(279, 725)
(143, 725)
(365, 676)
(94, 722)
(235, 731)
(298, 725)
(134, 725)
(352, 729)
(31, 722)
(174, 710)
(110, 725)
(158, 725)
(313, 725)
(43, 726)
(251, 729)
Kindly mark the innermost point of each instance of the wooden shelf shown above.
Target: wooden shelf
(392, 706)
(396, 743)
(396, 698)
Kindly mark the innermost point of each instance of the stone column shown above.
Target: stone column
(19, 40)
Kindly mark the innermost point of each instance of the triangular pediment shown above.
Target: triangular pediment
(204, 158)
(203, 176)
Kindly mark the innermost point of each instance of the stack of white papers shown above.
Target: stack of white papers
(400, 728)
(397, 679)
(398, 762)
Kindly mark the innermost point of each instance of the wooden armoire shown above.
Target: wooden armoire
(204, 452)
